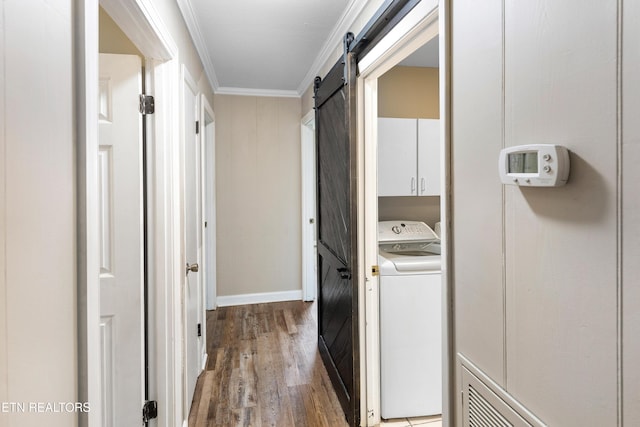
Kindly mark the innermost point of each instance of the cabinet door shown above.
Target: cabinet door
(397, 157)
(428, 157)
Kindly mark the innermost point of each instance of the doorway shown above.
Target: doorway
(421, 28)
(193, 346)
(138, 21)
(208, 164)
(309, 241)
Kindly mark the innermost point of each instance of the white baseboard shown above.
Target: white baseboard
(244, 299)
(204, 361)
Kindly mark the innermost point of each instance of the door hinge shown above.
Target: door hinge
(205, 224)
(149, 410)
(147, 104)
(197, 127)
(199, 329)
(375, 270)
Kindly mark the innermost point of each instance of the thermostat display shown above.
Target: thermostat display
(535, 165)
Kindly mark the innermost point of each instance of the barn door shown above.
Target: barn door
(337, 260)
(337, 193)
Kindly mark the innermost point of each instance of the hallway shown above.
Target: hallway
(264, 369)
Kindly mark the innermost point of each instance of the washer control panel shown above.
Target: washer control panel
(403, 231)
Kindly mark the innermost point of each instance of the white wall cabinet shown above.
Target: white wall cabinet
(408, 157)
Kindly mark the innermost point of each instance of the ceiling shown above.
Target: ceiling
(270, 47)
(426, 56)
(274, 47)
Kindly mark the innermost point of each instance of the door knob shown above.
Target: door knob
(192, 267)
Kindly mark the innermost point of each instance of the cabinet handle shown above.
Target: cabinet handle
(422, 185)
(413, 185)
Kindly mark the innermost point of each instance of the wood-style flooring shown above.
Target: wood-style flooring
(264, 369)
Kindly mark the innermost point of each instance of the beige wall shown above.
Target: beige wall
(112, 39)
(258, 194)
(540, 273)
(413, 208)
(409, 92)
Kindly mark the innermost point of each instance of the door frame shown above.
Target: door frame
(308, 209)
(141, 22)
(208, 194)
(187, 80)
(428, 19)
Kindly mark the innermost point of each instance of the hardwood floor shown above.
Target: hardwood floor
(264, 369)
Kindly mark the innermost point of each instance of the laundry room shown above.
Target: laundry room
(409, 184)
(409, 93)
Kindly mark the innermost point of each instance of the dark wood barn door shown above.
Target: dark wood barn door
(337, 193)
(337, 260)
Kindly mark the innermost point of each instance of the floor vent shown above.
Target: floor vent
(482, 413)
(486, 404)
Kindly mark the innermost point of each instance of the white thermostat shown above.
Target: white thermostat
(535, 165)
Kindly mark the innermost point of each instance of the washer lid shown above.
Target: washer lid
(394, 264)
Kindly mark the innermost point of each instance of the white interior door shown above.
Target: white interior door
(121, 234)
(192, 297)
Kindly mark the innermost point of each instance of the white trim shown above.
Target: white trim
(308, 205)
(205, 357)
(448, 330)
(309, 119)
(88, 287)
(402, 39)
(142, 24)
(419, 26)
(163, 234)
(239, 91)
(369, 90)
(198, 40)
(208, 143)
(260, 298)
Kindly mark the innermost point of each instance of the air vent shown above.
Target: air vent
(482, 413)
(486, 404)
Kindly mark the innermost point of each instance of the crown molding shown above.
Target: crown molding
(196, 35)
(257, 92)
(334, 40)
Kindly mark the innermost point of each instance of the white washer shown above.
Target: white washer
(410, 320)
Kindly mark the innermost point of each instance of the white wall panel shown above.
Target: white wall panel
(560, 81)
(39, 173)
(630, 236)
(477, 193)
(560, 87)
